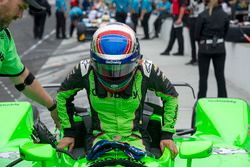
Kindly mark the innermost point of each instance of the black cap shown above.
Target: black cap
(35, 4)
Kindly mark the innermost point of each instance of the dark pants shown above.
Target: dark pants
(176, 33)
(39, 22)
(158, 23)
(60, 25)
(192, 22)
(145, 24)
(219, 66)
(134, 18)
(121, 17)
(72, 27)
(73, 24)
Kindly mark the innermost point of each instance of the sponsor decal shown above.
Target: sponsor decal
(222, 100)
(113, 62)
(10, 155)
(148, 66)
(225, 151)
(9, 104)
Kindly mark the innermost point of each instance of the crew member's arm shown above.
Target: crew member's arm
(143, 9)
(227, 23)
(181, 12)
(143, 12)
(23, 80)
(64, 9)
(199, 27)
(33, 89)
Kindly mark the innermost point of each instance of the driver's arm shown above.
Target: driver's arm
(73, 83)
(166, 91)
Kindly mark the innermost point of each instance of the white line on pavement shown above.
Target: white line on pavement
(37, 44)
(7, 90)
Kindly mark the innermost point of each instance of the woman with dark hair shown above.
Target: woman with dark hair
(211, 29)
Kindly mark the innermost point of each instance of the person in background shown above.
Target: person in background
(227, 7)
(135, 13)
(99, 5)
(74, 3)
(121, 9)
(114, 76)
(164, 9)
(195, 8)
(40, 18)
(61, 16)
(75, 15)
(146, 9)
(178, 12)
(10, 62)
(86, 5)
(211, 29)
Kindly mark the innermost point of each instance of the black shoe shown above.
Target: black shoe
(145, 38)
(64, 37)
(156, 36)
(195, 63)
(191, 63)
(178, 54)
(165, 53)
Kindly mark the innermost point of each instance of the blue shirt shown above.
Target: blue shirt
(146, 5)
(121, 5)
(166, 5)
(135, 5)
(75, 11)
(61, 5)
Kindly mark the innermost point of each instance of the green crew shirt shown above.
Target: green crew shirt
(10, 62)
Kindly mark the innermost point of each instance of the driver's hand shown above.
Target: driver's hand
(171, 145)
(54, 116)
(66, 142)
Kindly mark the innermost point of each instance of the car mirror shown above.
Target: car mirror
(195, 149)
(37, 152)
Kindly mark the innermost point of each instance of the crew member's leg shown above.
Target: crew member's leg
(179, 36)
(58, 24)
(134, 18)
(35, 28)
(192, 22)
(219, 66)
(41, 25)
(157, 25)
(203, 64)
(63, 26)
(145, 25)
(171, 41)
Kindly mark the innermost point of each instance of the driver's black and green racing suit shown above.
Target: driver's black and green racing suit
(117, 116)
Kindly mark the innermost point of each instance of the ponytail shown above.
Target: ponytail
(211, 5)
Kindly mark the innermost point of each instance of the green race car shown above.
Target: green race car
(219, 138)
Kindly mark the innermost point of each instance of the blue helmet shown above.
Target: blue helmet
(115, 54)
